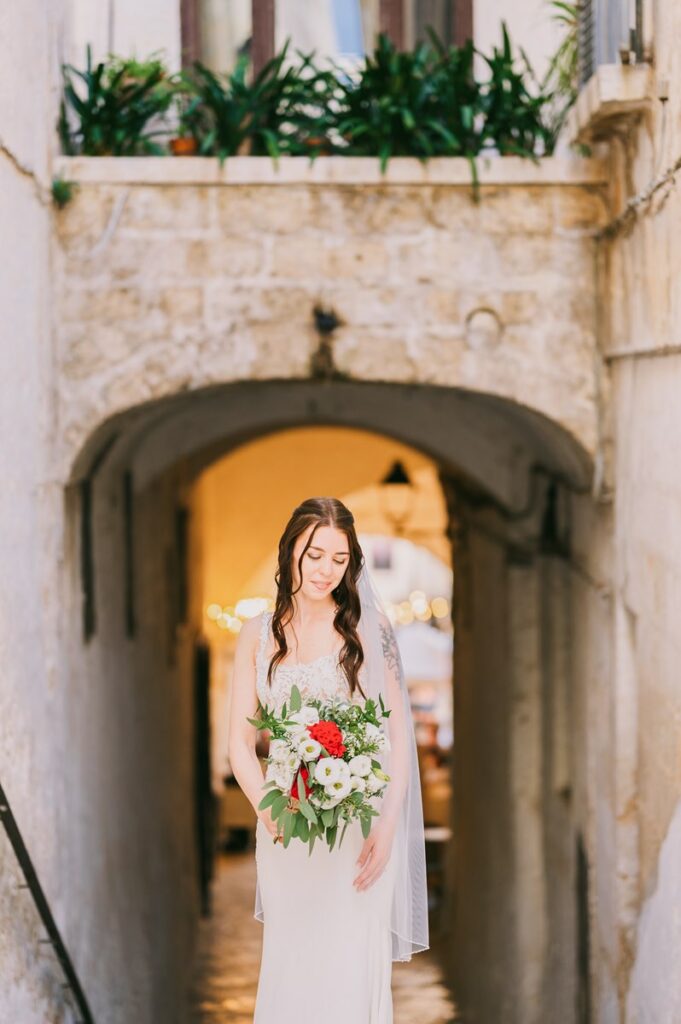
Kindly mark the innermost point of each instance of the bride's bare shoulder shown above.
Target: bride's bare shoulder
(249, 633)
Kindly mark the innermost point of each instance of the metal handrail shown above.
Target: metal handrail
(42, 906)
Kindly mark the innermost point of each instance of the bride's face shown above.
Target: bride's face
(324, 563)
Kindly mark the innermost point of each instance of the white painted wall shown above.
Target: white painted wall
(32, 714)
(529, 23)
(124, 27)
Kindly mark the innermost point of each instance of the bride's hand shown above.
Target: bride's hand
(374, 856)
(267, 820)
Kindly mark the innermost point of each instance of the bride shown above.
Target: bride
(334, 921)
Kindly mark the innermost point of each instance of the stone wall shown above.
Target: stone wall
(173, 277)
(639, 720)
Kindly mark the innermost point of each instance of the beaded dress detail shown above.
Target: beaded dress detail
(323, 678)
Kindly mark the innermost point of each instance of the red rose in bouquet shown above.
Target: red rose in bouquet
(294, 788)
(330, 737)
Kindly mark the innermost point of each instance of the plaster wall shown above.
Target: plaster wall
(32, 725)
(86, 750)
(122, 27)
(530, 25)
(644, 360)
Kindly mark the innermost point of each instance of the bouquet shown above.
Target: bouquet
(322, 766)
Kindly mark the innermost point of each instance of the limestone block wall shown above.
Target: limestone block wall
(174, 276)
(641, 718)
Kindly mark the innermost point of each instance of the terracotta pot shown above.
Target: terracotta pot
(320, 143)
(183, 146)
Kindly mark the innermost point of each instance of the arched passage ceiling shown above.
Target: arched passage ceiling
(490, 441)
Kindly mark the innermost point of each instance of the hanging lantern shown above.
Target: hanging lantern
(396, 495)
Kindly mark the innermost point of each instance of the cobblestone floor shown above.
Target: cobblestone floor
(228, 960)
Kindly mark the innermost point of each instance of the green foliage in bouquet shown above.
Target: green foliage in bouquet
(296, 815)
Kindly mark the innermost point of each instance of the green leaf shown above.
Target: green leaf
(331, 836)
(289, 822)
(345, 828)
(296, 699)
(268, 799)
(308, 811)
(366, 825)
(279, 805)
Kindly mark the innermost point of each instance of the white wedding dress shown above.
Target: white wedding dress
(326, 951)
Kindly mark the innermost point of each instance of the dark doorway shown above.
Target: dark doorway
(204, 800)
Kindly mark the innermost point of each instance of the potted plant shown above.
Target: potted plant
(190, 119)
(514, 116)
(114, 108)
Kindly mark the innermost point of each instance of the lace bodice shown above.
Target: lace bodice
(323, 677)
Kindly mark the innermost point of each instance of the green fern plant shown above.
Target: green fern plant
(109, 109)
(560, 84)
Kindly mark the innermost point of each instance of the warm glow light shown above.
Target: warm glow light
(440, 607)
(231, 616)
(249, 607)
(405, 614)
(423, 614)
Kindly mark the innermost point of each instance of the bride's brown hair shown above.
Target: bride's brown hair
(320, 512)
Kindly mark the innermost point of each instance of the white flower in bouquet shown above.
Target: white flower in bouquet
(283, 776)
(338, 789)
(374, 783)
(331, 802)
(360, 765)
(328, 769)
(383, 741)
(357, 783)
(308, 748)
(296, 732)
(306, 716)
(279, 750)
(377, 736)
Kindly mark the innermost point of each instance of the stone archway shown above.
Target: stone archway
(512, 480)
